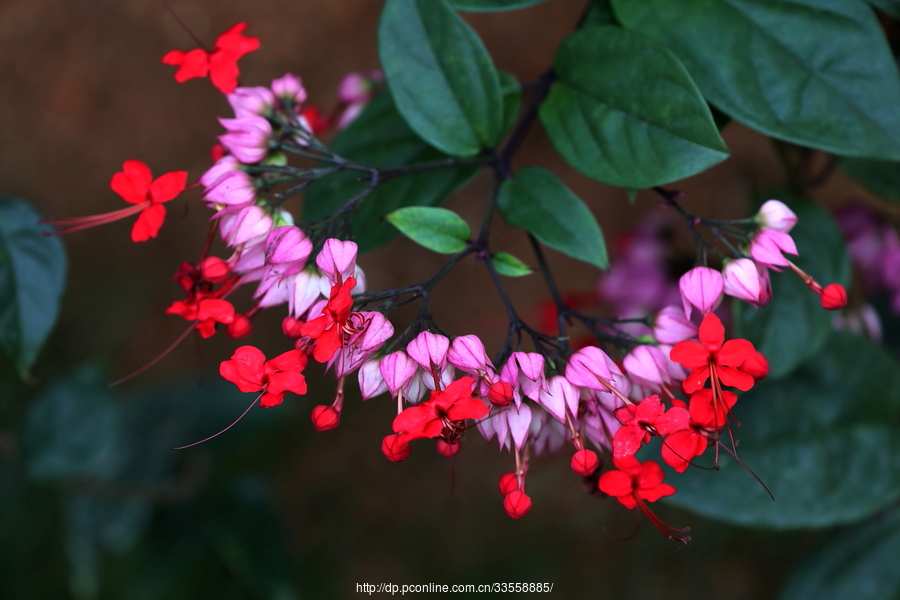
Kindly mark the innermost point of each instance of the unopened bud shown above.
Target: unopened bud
(834, 297)
(214, 269)
(448, 450)
(291, 327)
(585, 462)
(508, 483)
(517, 504)
(395, 447)
(325, 418)
(500, 394)
(240, 327)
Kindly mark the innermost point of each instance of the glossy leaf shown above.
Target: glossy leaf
(32, 278)
(491, 5)
(509, 265)
(813, 72)
(437, 229)
(538, 202)
(440, 75)
(625, 112)
(793, 326)
(381, 137)
(824, 440)
(882, 177)
(73, 430)
(856, 564)
(891, 7)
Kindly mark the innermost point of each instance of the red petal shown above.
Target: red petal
(327, 344)
(412, 420)
(148, 223)
(735, 378)
(183, 309)
(681, 447)
(651, 475)
(194, 64)
(316, 327)
(244, 369)
(467, 408)
(292, 382)
(133, 182)
(616, 483)
(173, 57)
(292, 360)
(649, 409)
(168, 186)
(628, 440)
(625, 414)
(232, 41)
(674, 419)
(654, 494)
(695, 380)
(269, 400)
(218, 310)
(690, 354)
(223, 72)
(735, 352)
(712, 332)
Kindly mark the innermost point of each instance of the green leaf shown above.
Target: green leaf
(72, 430)
(856, 564)
(538, 202)
(509, 265)
(882, 177)
(381, 137)
(625, 112)
(512, 99)
(437, 229)
(793, 326)
(824, 440)
(32, 277)
(440, 75)
(891, 7)
(817, 73)
(599, 12)
(491, 5)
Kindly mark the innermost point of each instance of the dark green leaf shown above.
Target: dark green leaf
(813, 72)
(509, 265)
(599, 12)
(380, 136)
(881, 177)
(625, 112)
(793, 326)
(245, 532)
(437, 229)
(32, 277)
(512, 99)
(856, 564)
(440, 75)
(491, 5)
(891, 7)
(538, 202)
(824, 440)
(72, 430)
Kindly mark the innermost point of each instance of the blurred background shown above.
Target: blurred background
(273, 509)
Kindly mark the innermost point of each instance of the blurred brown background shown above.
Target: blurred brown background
(83, 90)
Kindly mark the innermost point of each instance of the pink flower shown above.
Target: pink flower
(774, 214)
(588, 368)
(247, 138)
(337, 260)
(397, 369)
(289, 89)
(559, 397)
(251, 101)
(701, 287)
(371, 383)
(648, 366)
(767, 246)
(747, 281)
(251, 222)
(429, 350)
(373, 329)
(524, 371)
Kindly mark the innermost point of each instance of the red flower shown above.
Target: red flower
(328, 328)
(712, 358)
(208, 311)
(220, 64)
(136, 186)
(640, 421)
(249, 370)
(633, 482)
(442, 414)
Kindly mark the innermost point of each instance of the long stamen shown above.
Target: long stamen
(71, 224)
(157, 359)
(673, 533)
(243, 414)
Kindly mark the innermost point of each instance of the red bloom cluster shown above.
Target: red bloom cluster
(249, 370)
(204, 302)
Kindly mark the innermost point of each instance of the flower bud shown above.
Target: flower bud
(746, 281)
(588, 367)
(397, 369)
(395, 447)
(251, 101)
(834, 297)
(517, 504)
(508, 483)
(701, 287)
(559, 396)
(240, 327)
(774, 214)
(500, 394)
(448, 450)
(337, 260)
(670, 326)
(289, 89)
(247, 138)
(325, 418)
(371, 383)
(214, 270)
(647, 364)
(757, 366)
(429, 349)
(290, 327)
(585, 462)
(467, 353)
